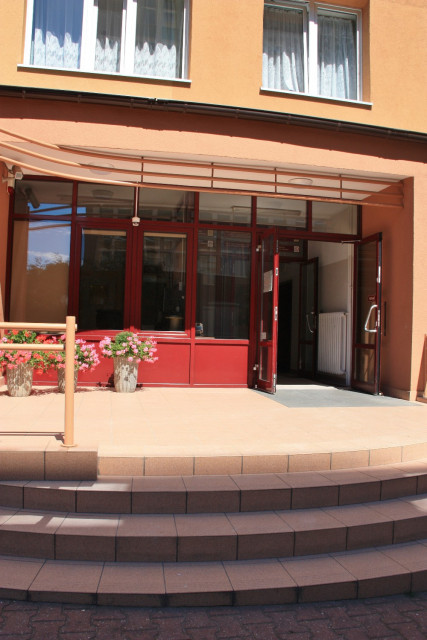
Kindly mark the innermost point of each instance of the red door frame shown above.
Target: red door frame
(375, 300)
(268, 383)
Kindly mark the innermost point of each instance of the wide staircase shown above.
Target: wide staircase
(216, 540)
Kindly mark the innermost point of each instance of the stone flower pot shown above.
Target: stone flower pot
(125, 374)
(61, 379)
(19, 380)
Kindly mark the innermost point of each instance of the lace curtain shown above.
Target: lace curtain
(108, 35)
(57, 30)
(283, 54)
(159, 37)
(337, 57)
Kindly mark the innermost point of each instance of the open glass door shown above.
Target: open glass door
(268, 312)
(308, 317)
(367, 315)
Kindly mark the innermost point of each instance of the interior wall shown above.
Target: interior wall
(335, 285)
(333, 275)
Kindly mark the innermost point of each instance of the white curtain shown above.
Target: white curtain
(57, 31)
(108, 35)
(159, 37)
(283, 53)
(337, 57)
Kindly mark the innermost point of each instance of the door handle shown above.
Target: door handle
(307, 317)
(373, 306)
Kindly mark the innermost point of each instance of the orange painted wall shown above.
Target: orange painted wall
(397, 294)
(225, 63)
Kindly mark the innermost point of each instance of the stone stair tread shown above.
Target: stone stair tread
(199, 494)
(379, 571)
(210, 536)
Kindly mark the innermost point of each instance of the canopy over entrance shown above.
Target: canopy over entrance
(23, 154)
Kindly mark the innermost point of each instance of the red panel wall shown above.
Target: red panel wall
(172, 367)
(221, 364)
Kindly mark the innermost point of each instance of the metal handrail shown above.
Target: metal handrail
(70, 341)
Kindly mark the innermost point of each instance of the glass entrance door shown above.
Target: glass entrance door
(367, 324)
(307, 342)
(268, 311)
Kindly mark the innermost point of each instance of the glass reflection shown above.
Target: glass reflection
(223, 284)
(164, 282)
(40, 263)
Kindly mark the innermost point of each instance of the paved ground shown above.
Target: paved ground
(391, 618)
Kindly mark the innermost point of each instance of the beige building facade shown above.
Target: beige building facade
(228, 176)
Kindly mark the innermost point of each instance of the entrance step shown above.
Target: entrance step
(374, 572)
(210, 536)
(367, 573)
(217, 494)
(216, 540)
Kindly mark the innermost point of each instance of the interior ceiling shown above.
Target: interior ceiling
(134, 168)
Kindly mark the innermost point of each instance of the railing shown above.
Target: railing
(70, 339)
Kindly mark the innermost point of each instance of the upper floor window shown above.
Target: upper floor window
(131, 37)
(311, 48)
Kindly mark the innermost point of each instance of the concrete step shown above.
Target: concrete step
(219, 494)
(375, 572)
(210, 536)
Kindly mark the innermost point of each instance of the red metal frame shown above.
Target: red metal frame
(373, 387)
(268, 384)
(133, 281)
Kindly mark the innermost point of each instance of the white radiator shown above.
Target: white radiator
(332, 343)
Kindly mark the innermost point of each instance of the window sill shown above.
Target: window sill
(312, 96)
(107, 74)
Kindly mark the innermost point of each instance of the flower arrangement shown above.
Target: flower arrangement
(85, 357)
(128, 345)
(11, 359)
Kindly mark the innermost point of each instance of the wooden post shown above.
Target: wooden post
(70, 341)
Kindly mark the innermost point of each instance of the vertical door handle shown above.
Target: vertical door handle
(373, 306)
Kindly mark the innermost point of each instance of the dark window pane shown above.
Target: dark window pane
(105, 201)
(331, 217)
(43, 197)
(163, 282)
(166, 205)
(281, 212)
(159, 38)
(224, 208)
(40, 262)
(57, 33)
(102, 279)
(223, 284)
(108, 35)
(337, 56)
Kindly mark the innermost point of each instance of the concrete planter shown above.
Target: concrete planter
(61, 380)
(125, 375)
(20, 380)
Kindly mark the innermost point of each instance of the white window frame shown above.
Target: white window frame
(311, 9)
(127, 50)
